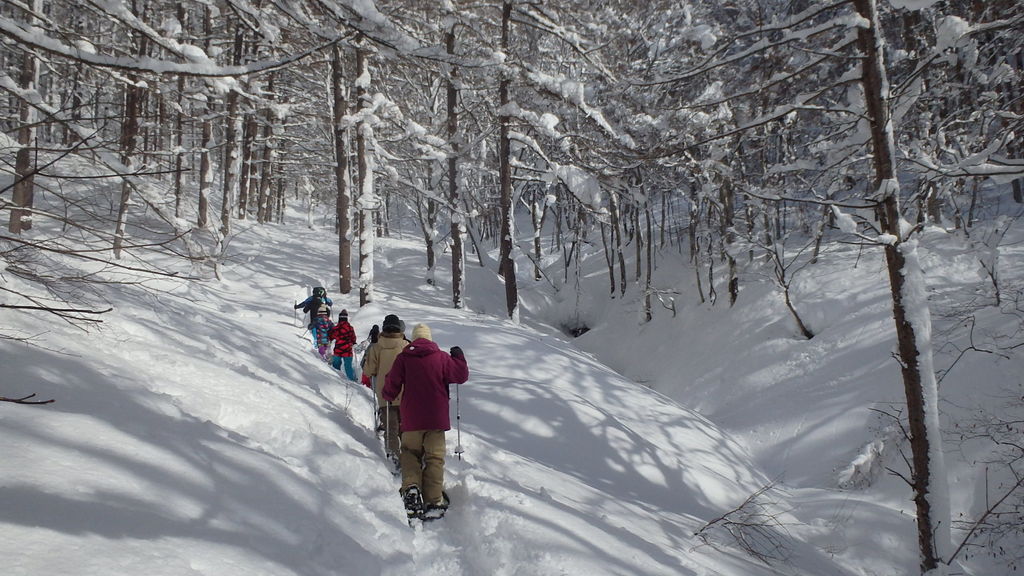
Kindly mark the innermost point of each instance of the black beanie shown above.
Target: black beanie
(391, 324)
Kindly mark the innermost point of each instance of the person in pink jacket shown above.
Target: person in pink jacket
(422, 373)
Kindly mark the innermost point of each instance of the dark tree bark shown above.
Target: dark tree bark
(452, 97)
(133, 95)
(230, 166)
(266, 171)
(506, 263)
(905, 280)
(341, 171)
(24, 168)
(205, 166)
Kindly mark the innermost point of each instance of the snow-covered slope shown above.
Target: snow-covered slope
(196, 433)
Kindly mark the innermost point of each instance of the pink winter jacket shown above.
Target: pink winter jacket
(425, 371)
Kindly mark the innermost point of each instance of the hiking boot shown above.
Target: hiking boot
(437, 508)
(413, 501)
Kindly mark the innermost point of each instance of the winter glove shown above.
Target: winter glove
(456, 352)
(367, 382)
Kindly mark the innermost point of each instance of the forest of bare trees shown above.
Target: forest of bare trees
(138, 134)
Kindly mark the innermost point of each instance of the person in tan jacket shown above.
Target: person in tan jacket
(379, 360)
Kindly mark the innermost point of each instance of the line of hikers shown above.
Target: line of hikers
(324, 331)
(411, 380)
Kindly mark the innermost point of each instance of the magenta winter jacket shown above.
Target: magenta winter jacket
(425, 371)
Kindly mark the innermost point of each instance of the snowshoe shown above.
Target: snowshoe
(436, 510)
(413, 502)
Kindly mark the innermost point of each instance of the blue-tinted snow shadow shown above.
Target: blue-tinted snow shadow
(249, 499)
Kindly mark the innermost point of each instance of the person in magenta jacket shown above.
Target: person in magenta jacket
(422, 373)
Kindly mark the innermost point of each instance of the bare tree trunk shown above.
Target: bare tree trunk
(538, 213)
(24, 169)
(205, 172)
(506, 266)
(266, 173)
(249, 130)
(910, 311)
(609, 258)
(727, 199)
(230, 149)
(365, 175)
(428, 223)
(342, 179)
(452, 96)
(611, 245)
(179, 140)
(648, 279)
(638, 241)
(179, 131)
(205, 167)
(129, 142)
(692, 231)
(264, 207)
(279, 201)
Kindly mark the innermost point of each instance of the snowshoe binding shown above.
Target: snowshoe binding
(436, 510)
(413, 502)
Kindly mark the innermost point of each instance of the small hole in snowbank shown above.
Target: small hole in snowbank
(575, 330)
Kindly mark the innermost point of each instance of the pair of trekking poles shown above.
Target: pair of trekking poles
(387, 421)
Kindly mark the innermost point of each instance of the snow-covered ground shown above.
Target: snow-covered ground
(196, 433)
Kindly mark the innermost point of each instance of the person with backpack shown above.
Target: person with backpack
(419, 378)
(321, 330)
(379, 359)
(316, 305)
(344, 337)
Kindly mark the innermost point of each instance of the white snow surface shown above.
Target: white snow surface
(196, 434)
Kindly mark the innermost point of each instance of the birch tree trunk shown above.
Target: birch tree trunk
(910, 310)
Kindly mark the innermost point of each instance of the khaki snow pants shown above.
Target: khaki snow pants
(390, 418)
(422, 462)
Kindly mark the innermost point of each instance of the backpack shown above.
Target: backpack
(322, 309)
(314, 308)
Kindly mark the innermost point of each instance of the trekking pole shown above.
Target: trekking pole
(374, 405)
(387, 432)
(458, 424)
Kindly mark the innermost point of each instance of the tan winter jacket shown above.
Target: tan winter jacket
(379, 360)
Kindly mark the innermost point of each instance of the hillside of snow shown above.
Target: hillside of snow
(195, 432)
